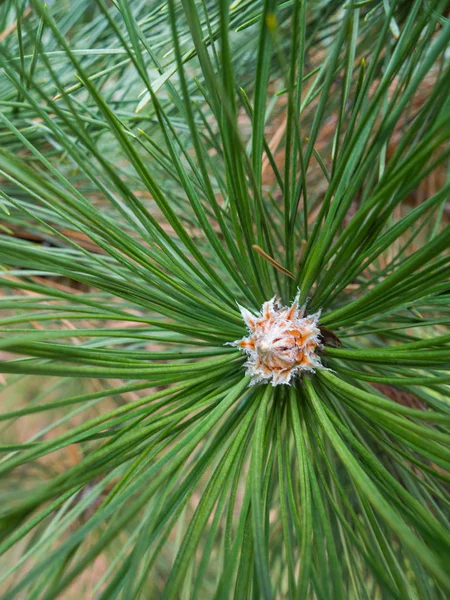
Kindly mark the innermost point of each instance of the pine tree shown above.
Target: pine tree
(166, 169)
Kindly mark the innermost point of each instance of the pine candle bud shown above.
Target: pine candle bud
(281, 344)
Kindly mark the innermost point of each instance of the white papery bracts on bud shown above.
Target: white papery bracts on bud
(282, 342)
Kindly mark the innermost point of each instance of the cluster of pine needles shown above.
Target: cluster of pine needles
(161, 163)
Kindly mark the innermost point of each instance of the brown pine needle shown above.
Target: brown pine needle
(272, 261)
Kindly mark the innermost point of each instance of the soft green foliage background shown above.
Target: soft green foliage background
(147, 148)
